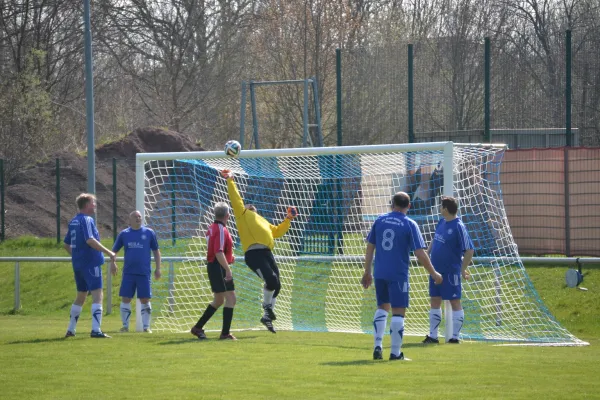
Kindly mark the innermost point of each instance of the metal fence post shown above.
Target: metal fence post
(243, 115)
(58, 200)
(567, 203)
(17, 287)
(173, 213)
(171, 287)
(568, 88)
(305, 116)
(486, 85)
(2, 190)
(411, 97)
(114, 185)
(108, 289)
(338, 93)
(254, 117)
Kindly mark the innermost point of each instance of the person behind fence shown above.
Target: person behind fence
(219, 258)
(392, 237)
(139, 242)
(257, 236)
(82, 242)
(451, 252)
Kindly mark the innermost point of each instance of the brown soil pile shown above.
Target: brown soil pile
(30, 198)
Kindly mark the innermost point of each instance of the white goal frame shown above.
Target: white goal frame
(447, 163)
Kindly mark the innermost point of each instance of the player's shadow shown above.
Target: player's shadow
(34, 341)
(352, 362)
(404, 346)
(365, 361)
(209, 340)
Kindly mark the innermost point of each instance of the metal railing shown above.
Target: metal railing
(171, 260)
(19, 260)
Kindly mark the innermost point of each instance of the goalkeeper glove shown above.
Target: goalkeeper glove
(291, 213)
(227, 174)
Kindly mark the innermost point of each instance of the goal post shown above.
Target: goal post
(339, 192)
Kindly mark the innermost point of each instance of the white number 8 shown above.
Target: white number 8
(388, 239)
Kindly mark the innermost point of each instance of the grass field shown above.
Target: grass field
(36, 362)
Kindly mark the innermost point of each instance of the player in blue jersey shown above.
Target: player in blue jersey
(139, 242)
(451, 252)
(392, 238)
(82, 242)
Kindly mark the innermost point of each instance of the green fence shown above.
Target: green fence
(471, 90)
(436, 89)
(40, 200)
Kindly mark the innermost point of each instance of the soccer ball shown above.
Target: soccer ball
(233, 148)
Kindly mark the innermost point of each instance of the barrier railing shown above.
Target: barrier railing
(171, 274)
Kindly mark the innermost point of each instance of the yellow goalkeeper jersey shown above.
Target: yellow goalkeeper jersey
(252, 228)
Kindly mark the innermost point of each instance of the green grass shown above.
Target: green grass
(36, 362)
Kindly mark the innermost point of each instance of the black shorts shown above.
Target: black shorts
(216, 277)
(262, 262)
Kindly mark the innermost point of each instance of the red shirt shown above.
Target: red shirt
(219, 241)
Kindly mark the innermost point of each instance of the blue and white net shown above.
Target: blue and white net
(338, 196)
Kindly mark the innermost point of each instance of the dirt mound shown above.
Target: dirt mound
(31, 205)
(147, 140)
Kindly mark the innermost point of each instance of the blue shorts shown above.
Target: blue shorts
(88, 279)
(131, 283)
(393, 292)
(450, 289)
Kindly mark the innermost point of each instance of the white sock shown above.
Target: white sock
(273, 301)
(146, 314)
(96, 317)
(457, 322)
(267, 296)
(379, 323)
(397, 333)
(435, 319)
(75, 312)
(125, 313)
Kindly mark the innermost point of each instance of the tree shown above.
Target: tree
(27, 129)
(183, 56)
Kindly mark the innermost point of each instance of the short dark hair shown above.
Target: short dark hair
(450, 204)
(83, 199)
(401, 200)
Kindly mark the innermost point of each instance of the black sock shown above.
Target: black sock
(227, 317)
(208, 313)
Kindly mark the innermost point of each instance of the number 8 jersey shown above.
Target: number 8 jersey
(394, 236)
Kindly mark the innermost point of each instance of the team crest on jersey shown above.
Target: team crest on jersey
(143, 237)
(450, 231)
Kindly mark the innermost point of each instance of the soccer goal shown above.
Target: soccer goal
(339, 191)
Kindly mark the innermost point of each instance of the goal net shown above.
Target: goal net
(339, 191)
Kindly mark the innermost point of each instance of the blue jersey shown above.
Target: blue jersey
(138, 244)
(450, 242)
(394, 236)
(82, 228)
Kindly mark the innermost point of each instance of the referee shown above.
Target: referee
(219, 257)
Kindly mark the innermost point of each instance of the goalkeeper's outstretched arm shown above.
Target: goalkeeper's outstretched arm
(234, 195)
(281, 229)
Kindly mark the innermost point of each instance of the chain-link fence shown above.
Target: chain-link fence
(551, 196)
(40, 201)
(504, 90)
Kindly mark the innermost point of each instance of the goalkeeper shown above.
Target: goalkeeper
(257, 236)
